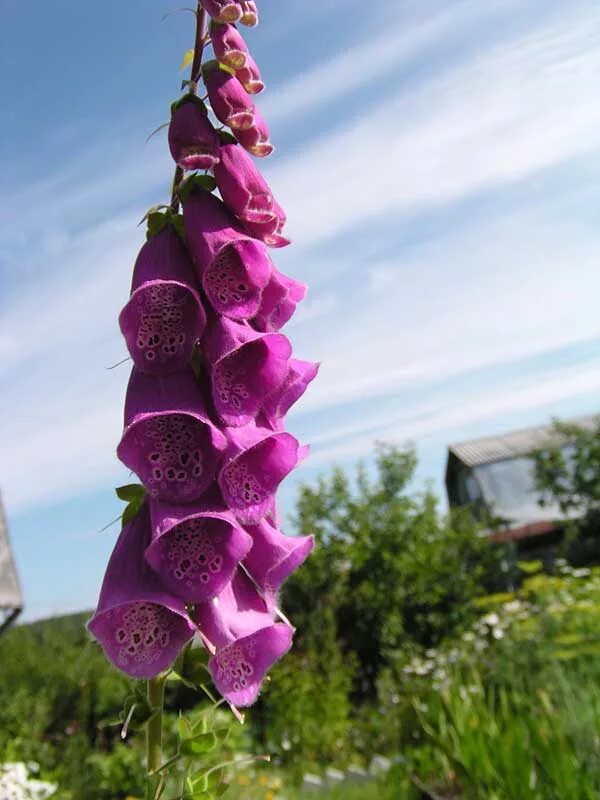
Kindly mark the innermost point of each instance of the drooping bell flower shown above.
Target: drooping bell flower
(246, 368)
(277, 405)
(242, 187)
(233, 267)
(249, 76)
(270, 231)
(249, 13)
(256, 462)
(273, 558)
(195, 549)
(256, 138)
(227, 97)
(193, 142)
(228, 45)
(278, 301)
(140, 625)
(164, 316)
(223, 10)
(169, 440)
(247, 640)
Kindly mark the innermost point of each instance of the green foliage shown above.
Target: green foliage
(567, 472)
(307, 707)
(511, 710)
(391, 568)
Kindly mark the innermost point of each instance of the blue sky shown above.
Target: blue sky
(440, 165)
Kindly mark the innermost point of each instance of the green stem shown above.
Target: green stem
(154, 731)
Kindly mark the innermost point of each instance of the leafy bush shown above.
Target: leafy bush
(511, 710)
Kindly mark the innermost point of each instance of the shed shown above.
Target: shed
(11, 597)
(495, 476)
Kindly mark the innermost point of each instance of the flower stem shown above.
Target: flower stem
(154, 730)
(199, 43)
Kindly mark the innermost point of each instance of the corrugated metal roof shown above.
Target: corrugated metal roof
(511, 445)
(10, 590)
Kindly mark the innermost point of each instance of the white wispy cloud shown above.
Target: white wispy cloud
(497, 118)
(418, 423)
(505, 289)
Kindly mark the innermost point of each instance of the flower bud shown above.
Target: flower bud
(223, 10)
(249, 76)
(227, 97)
(270, 231)
(242, 187)
(249, 13)
(228, 45)
(255, 139)
(193, 142)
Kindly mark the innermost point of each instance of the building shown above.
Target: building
(495, 476)
(11, 598)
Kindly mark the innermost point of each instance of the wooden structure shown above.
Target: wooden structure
(11, 597)
(495, 476)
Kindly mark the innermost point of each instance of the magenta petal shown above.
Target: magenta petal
(256, 139)
(233, 267)
(223, 10)
(164, 317)
(274, 556)
(249, 76)
(277, 405)
(141, 627)
(227, 97)
(243, 188)
(228, 45)
(270, 231)
(240, 626)
(278, 302)
(258, 461)
(195, 549)
(247, 367)
(193, 142)
(249, 13)
(239, 669)
(169, 440)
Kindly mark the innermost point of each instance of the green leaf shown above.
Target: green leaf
(184, 728)
(199, 745)
(136, 711)
(226, 137)
(205, 182)
(530, 567)
(187, 59)
(193, 667)
(132, 491)
(156, 222)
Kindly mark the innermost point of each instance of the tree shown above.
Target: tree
(390, 567)
(567, 472)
